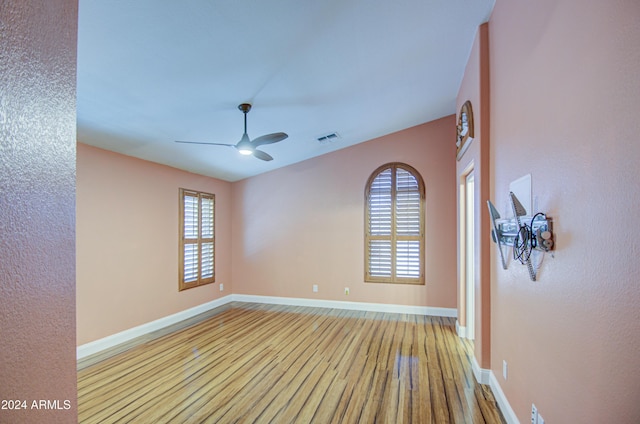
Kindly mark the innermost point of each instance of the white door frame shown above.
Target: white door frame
(470, 252)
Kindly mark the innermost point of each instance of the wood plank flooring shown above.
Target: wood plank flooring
(253, 363)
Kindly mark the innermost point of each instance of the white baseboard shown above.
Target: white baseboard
(503, 403)
(124, 336)
(483, 376)
(141, 330)
(355, 306)
(461, 331)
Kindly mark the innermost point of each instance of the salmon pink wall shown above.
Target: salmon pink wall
(304, 224)
(564, 108)
(37, 214)
(475, 88)
(127, 242)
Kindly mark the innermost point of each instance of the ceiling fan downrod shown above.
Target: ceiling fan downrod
(245, 108)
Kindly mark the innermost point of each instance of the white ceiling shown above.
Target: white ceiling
(154, 71)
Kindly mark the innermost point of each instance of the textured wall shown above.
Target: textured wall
(565, 92)
(475, 88)
(37, 209)
(304, 224)
(127, 242)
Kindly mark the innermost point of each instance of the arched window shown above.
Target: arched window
(394, 225)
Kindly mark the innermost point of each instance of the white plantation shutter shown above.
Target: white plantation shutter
(394, 246)
(206, 268)
(206, 219)
(196, 238)
(408, 258)
(190, 237)
(380, 258)
(380, 225)
(190, 268)
(407, 204)
(190, 216)
(408, 224)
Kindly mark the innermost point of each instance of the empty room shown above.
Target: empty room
(344, 212)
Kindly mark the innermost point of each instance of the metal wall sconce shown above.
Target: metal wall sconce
(522, 233)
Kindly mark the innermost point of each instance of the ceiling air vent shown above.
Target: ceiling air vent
(329, 138)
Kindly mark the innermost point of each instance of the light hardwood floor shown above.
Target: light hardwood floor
(252, 363)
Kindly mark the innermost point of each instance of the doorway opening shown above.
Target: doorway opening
(469, 257)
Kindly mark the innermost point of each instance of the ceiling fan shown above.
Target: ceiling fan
(247, 146)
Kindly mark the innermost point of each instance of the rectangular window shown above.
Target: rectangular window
(197, 239)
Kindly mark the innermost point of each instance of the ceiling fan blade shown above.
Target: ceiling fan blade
(262, 155)
(269, 138)
(203, 142)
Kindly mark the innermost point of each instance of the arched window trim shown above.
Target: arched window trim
(395, 274)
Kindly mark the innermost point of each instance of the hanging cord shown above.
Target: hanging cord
(534, 239)
(525, 241)
(522, 244)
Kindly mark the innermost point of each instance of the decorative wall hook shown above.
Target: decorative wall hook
(464, 129)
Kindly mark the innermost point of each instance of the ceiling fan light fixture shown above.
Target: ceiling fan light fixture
(244, 146)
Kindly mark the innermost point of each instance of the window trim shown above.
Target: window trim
(199, 240)
(394, 237)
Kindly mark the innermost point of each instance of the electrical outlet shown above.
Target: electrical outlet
(315, 288)
(346, 291)
(540, 419)
(534, 414)
(504, 369)
(221, 287)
